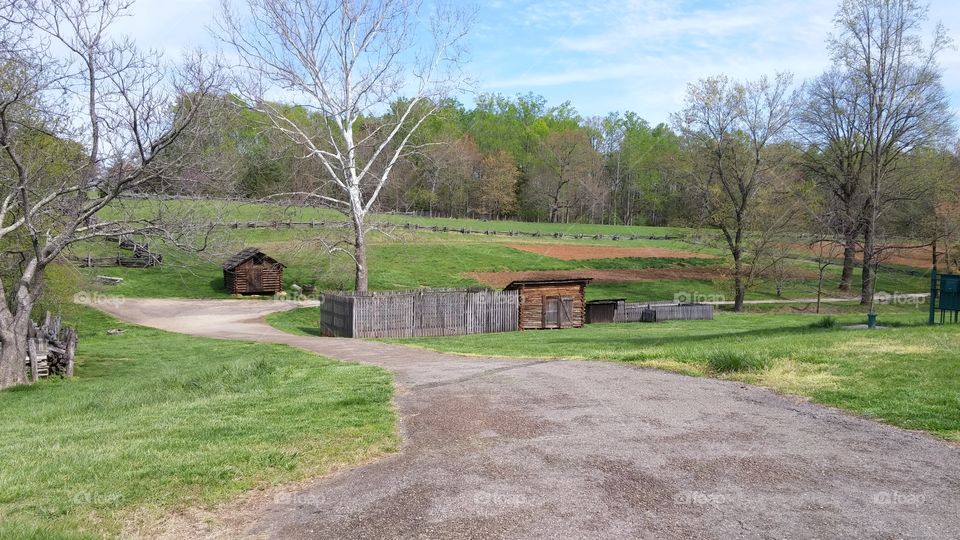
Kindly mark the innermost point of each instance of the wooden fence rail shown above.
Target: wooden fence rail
(437, 228)
(141, 260)
(447, 312)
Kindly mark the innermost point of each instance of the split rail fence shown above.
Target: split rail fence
(445, 312)
(445, 229)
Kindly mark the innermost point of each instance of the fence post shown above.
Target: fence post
(32, 355)
(933, 297)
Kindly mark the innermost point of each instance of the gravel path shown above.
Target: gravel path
(556, 449)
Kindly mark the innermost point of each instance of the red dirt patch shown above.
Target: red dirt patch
(577, 252)
(500, 279)
(917, 257)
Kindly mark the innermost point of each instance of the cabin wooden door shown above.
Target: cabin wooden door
(254, 279)
(558, 312)
(566, 312)
(551, 312)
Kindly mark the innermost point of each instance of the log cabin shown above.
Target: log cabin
(551, 303)
(253, 272)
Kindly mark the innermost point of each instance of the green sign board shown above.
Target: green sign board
(949, 293)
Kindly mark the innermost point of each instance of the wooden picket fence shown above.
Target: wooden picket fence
(654, 312)
(422, 313)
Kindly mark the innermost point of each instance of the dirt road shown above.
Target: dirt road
(498, 448)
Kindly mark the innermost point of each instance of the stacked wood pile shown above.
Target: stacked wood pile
(434, 312)
(50, 349)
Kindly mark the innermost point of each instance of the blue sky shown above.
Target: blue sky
(607, 55)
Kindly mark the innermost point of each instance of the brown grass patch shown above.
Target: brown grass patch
(917, 257)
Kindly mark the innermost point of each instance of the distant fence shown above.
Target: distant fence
(445, 229)
(142, 260)
(446, 312)
(622, 311)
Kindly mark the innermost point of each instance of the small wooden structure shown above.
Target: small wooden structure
(605, 311)
(253, 272)
(551, 303)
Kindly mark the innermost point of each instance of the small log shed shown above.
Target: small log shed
(605, 311)
(551, 303)
(253, 272)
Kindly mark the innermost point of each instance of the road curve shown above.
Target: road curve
(501, 448)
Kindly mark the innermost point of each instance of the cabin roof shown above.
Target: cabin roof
(534, 282)
(245, 255)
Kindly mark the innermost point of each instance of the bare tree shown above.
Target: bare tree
(895, 73)
(733, 130)
(566, 159)
(829, 122)
(346, 61)
(77, 131)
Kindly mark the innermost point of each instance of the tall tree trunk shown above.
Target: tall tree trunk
(739, 290)
(849, 259)
(360, 254)
(13, 353)
(869, 275)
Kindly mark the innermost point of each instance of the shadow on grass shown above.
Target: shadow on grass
(310, 331)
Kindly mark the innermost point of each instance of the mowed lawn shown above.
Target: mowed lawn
(907, 374)
(155, 422)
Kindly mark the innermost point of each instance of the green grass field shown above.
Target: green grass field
(155, 422)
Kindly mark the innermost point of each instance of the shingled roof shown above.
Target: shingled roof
(244, 256)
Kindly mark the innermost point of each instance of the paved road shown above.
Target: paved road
(532, 449)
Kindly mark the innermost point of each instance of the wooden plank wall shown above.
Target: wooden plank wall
(236, 281)
(667, 312)
(419, 313)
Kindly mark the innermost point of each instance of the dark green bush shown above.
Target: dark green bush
(729, 361)
(826, 322)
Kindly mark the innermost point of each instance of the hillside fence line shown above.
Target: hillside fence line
(438, 228)
(427, 313)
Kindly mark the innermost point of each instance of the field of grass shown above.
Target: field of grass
(907, 374)
(155, 422)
